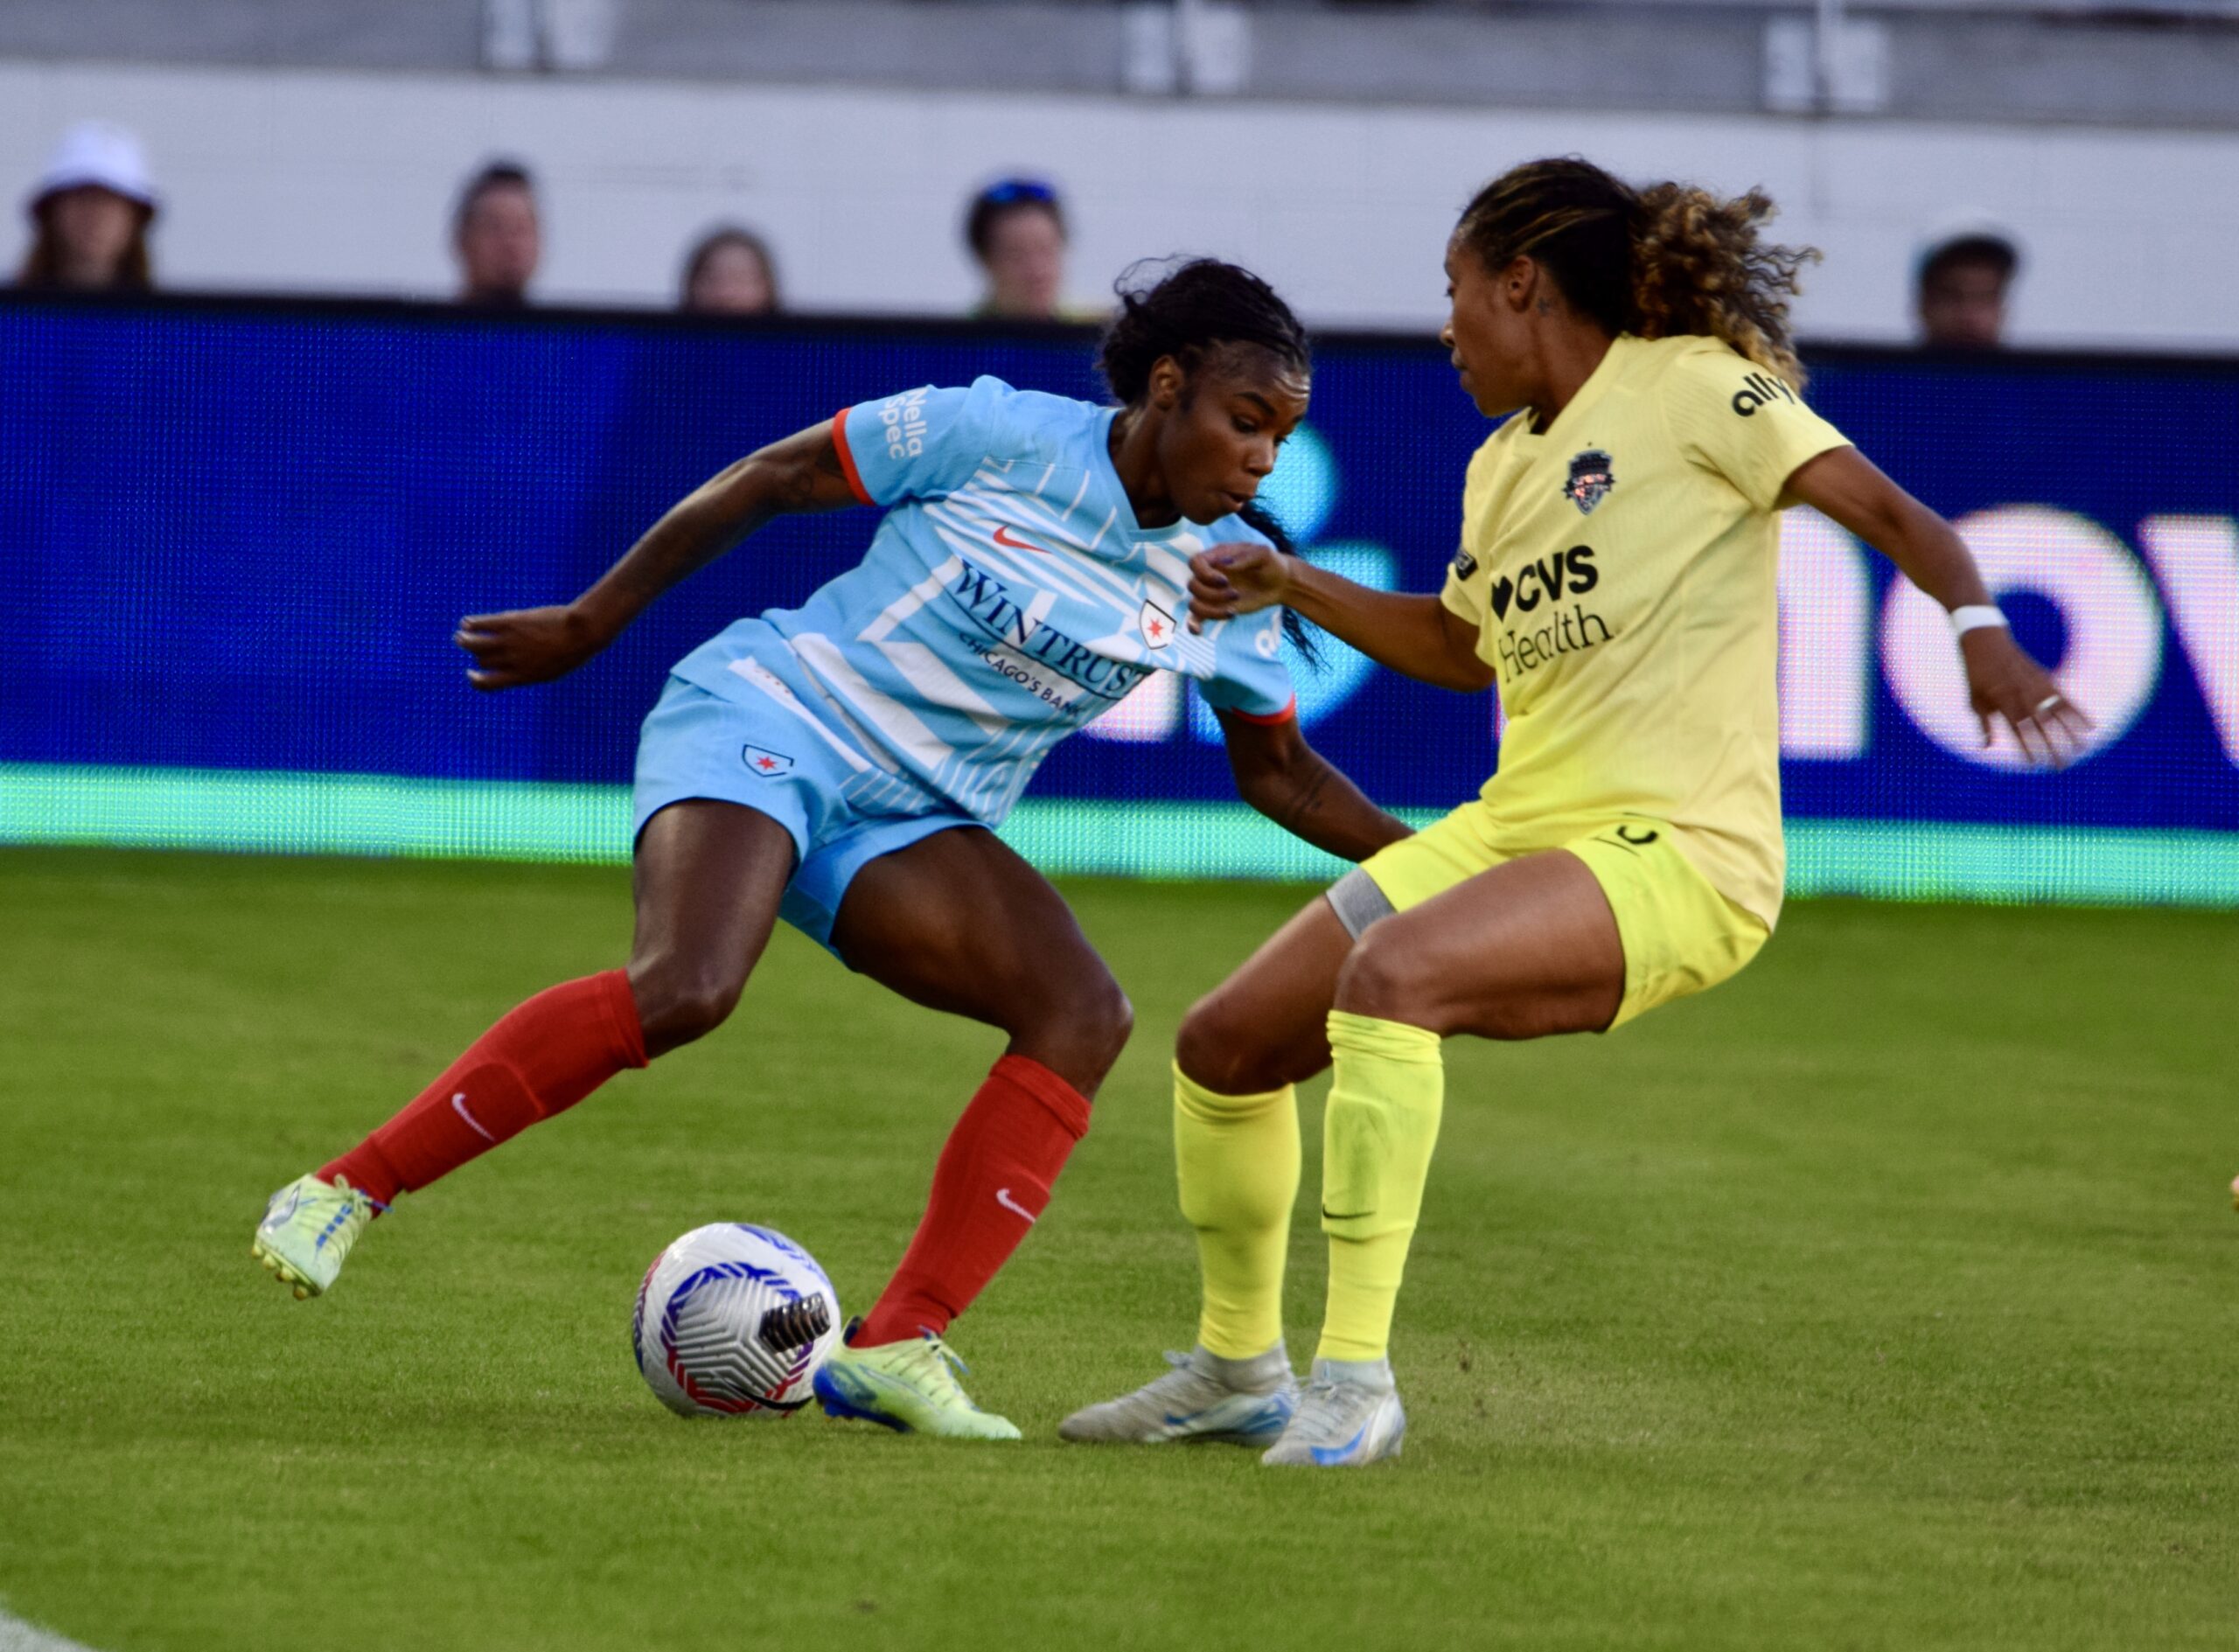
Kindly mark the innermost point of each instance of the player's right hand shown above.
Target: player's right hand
(1231, 580)
(528, 645)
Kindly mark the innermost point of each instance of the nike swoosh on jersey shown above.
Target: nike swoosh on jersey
(998, 536)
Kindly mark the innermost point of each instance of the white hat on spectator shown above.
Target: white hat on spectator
(98, 153)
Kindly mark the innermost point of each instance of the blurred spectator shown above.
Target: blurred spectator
(91, 213)
(730, 272)
(1964, 276)
(497, 235)
(1016, 229)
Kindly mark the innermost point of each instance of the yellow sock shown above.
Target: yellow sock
(1236, 1160)
(1377, 1135)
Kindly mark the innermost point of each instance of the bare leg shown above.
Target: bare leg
(1522, 951)
(959, 923)
(1265, 1025)
(1527, 949)
(707, 879)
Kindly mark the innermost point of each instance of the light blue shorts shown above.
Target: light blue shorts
(843, 810)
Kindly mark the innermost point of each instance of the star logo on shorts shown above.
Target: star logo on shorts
(766, 763)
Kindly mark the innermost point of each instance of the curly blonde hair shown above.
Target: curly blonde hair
(1663, 261)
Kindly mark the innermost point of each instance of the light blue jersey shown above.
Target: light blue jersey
(1008, 597)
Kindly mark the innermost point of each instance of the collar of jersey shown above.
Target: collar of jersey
(1590, 391)
(1100, 439)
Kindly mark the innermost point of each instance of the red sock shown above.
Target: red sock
(992, 1182)
(542, 1057)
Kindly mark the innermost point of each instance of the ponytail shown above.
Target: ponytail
(1261, 520)
(1665, 261)
(1698, 266)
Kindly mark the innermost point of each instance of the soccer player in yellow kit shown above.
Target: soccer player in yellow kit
(1616, 579)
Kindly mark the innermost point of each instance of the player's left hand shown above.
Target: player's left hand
(1236, 578)
(2003, 681)
(528, 645)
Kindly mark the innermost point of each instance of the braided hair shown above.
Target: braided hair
(1190, 311)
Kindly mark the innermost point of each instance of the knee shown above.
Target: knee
(678, 1002)
(1076, 1032)
(1382, 978)
(1224, 1052)
(1202, 1049)
(1106, 1021)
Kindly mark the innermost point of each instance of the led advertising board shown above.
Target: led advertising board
(235, 541)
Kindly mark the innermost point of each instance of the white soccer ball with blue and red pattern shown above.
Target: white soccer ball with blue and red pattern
(733, 1320)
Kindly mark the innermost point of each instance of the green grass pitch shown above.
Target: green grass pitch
(1885, 1298)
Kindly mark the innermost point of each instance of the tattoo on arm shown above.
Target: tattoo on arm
(1314, 800)
(809, 487)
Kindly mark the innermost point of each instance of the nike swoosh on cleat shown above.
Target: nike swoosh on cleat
(1003, 1198)
(841, 1398)
(458, 1106)
(1330, 1455)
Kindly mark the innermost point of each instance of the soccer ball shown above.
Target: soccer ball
(732, 1320)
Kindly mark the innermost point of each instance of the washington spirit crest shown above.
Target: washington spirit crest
(1591, 479)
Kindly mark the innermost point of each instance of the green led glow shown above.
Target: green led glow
(290, 813)
(281, 812)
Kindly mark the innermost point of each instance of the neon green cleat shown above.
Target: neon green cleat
(910, 1387)
(307, 1232)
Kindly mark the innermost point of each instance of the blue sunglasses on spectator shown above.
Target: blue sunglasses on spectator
(1017, 189)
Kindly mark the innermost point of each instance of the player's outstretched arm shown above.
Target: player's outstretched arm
(2002, 680)
(1417, 636)
(801, 473)
(1301, 791)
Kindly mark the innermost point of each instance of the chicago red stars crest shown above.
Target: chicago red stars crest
(1157, 623)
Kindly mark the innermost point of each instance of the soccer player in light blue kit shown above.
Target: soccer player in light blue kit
(839, 763)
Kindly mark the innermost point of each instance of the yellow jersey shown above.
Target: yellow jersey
(1620, 568)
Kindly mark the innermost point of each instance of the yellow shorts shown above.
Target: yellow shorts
(1680, 935)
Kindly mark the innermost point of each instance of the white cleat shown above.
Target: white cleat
(307, 1229)
(1244, 1402)
(1349, 1417)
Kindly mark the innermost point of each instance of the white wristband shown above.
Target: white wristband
(1974, 617)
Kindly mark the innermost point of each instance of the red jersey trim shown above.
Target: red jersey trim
(1287, 715)
(846, 458)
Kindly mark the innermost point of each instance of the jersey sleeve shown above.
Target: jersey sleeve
(923, 443)
(1746, 424)
(1460, 595)
(1249, 679)
(1466, 578)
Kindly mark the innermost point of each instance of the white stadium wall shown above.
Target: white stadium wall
(322, 181)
